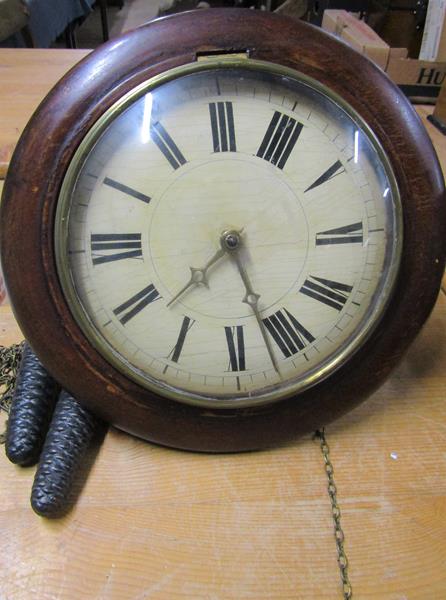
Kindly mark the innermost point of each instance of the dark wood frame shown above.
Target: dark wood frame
(86, 92)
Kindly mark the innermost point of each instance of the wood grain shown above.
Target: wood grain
(162, 524)
(26, 76)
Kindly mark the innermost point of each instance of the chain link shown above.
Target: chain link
(9, 362)
(336, 515)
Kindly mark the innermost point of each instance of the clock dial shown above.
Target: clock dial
(228, 235)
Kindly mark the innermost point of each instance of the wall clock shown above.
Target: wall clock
(223, 230)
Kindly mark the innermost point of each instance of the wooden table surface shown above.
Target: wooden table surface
(161, 524)
(25, 79)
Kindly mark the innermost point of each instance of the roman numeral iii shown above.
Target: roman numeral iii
(108, 247)
(331, 293)
(136, 303)
(280, 139)
(350, 234)
(222, 126)
(166, 144)
(236, 348)
(290, 335)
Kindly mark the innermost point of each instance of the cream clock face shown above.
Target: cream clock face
(228, 235)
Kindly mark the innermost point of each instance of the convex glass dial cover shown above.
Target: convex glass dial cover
(228, 233)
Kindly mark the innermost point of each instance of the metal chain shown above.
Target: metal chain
(336, 514)
(9, 362)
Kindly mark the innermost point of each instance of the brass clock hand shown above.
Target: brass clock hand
(231, 242)
(198, 275)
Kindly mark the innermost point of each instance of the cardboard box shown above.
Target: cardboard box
(419, 80)
(438, 118)
(357, 34)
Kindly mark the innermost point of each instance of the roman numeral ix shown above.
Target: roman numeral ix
(236, 348)
(350, 234)
(108, 247)
(331, 293)
(222, 126)
(290, 335)
(280, 139)
(166, 144)
(136, 303)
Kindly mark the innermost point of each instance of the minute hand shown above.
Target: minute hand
(252, 299)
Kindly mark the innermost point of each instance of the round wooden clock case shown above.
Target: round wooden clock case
(61, 123)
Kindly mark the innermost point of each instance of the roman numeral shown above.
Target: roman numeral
(287, 332)
(236, 348)
(222, 126)
(331, 293)
(166, 144)
(350, 234)
(128, 245)
(125, 189)
(280, 139)
(176, 351)
(335, 169)
(136, 303)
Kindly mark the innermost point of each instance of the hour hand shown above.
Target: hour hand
(198, 275)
